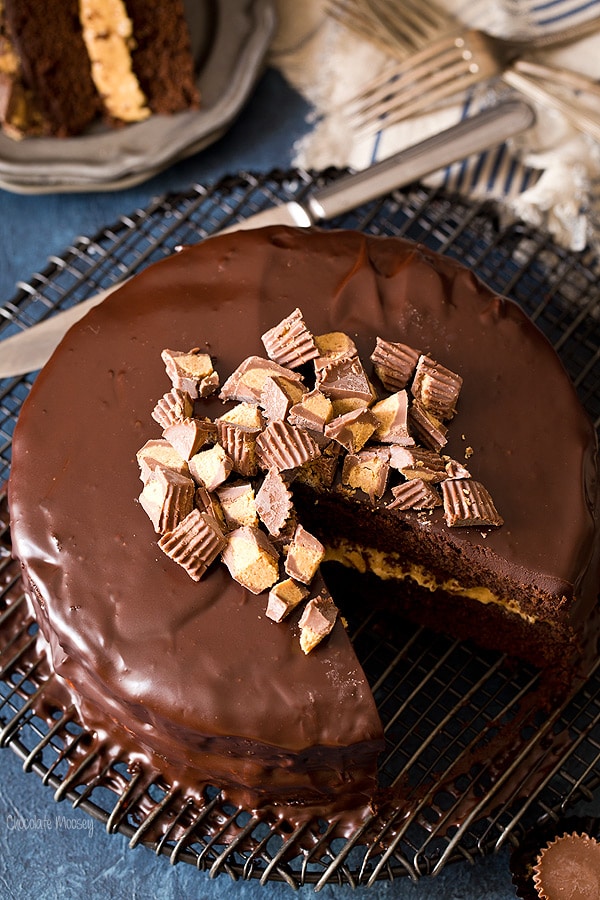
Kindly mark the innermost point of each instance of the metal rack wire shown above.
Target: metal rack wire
(454, 791)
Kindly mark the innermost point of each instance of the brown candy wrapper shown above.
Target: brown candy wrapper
(527, 858)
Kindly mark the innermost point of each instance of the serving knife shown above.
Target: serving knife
(30, 350)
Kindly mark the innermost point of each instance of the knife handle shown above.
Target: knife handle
(472, 135)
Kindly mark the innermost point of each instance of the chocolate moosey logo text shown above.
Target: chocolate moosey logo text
(18, 823)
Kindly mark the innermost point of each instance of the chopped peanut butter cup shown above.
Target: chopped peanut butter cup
(211, 467)
(428, 429)
(194, 544)
(317, 621)
(282, 447)
(467, 502)
(394, 363)
(345, 378)
(187, 436)
(416, 462)
(333, 346)
(238, 504)
(274, 502)
(167, 498)
(436, 387)
(415, 494)
(284, 597)
(367, 470)
(251, 559)
(191, 372)
(305, 555)
(173, 407)
(239, 443)
(353, 429)
(392, 416)
(290, 343)
(159, 453)
(249, 379)
(278, 395)
(313, 411)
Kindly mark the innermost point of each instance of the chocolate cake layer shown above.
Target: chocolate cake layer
(47, 40)
(162, 56)
(195, 670)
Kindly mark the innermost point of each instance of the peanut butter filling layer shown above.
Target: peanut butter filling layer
(108, 36)
(389, 566)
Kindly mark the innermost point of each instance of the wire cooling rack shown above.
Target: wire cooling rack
(470, 762)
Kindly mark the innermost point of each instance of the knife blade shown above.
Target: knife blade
(28, 351)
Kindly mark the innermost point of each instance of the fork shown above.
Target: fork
(572, 94)
(398, 28)
(449, 65)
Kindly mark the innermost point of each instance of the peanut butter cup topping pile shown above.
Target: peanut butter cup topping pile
(308, 411)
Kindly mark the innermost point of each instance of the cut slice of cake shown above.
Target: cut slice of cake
(63, 63)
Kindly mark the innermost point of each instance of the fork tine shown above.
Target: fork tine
(555, 75)
(449, 66)
(404, 27)
(358, 21)
(440, 86)
(425, 60)
(572, 94)
(398, 26)
(421, 70)
(429, 16)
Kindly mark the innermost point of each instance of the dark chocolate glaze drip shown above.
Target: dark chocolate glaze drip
(195, 670)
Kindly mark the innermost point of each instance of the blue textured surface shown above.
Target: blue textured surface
(49, 850)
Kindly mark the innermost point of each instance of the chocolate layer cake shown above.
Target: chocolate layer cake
(65, 62)
(195, 669)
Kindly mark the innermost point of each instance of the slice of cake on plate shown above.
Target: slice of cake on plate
(64, 63)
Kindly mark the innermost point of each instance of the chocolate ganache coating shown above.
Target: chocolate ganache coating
(196, 671)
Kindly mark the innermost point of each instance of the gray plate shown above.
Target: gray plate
(230, 39)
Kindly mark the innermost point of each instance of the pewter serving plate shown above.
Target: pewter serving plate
(230, 39)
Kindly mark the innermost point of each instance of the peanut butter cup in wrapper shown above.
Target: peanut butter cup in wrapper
(559, 860)
(568, 868)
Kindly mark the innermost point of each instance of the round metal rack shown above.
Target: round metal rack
(471, 761)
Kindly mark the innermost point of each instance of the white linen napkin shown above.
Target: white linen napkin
(550, 177)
